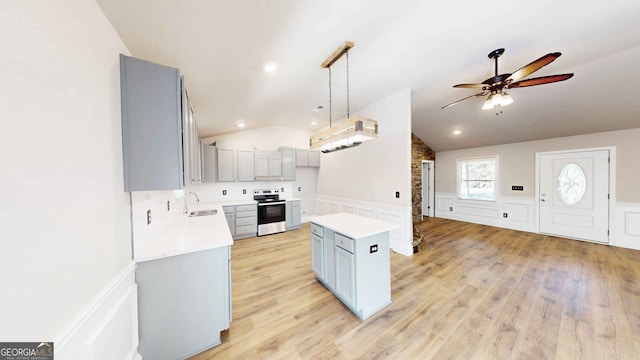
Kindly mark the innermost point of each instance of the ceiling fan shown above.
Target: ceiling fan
(496, 87)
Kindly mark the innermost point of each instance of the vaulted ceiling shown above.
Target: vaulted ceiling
(427, 46)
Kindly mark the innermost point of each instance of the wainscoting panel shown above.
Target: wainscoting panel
(107, 328)
(400, 239)
(627, 226)
(521, 214)
(519, 211)
(477, 210)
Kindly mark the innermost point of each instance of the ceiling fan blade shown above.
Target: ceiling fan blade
(455, 102)
(533, 66)
(540, 80)
(471, 86)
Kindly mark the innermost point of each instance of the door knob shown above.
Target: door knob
(542, 200)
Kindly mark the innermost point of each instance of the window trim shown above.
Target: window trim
(496, 192)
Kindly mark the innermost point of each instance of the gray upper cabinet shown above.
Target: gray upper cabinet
(307, 158)
(288, 163)
(160, 142)
(302, 157)
(151, 126)
(268, 165)
(314, 158)
(246, 165)
(235, 165)
(209, 164)
(226, 164)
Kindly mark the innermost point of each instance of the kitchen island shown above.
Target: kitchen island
(184, 286)
(350, 257)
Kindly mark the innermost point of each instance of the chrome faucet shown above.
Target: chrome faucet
(186, 198)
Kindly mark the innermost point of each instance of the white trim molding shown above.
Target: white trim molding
(626, 226)
(108, 326)
(521, 215)
(400, 239)
(519, 211)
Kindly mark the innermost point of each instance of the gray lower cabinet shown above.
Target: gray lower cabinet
(230, 214)
(356, 271)
(184, 302)
(293, 214)
(242, 220)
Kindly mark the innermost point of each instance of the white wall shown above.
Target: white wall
(517, 162)
(64, 215)
(373, 172)
(517, 167)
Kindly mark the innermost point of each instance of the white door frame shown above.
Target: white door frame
(430, 182)
(612, 184)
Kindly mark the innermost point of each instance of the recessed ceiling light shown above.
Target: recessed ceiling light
(314, 123)
(457, 132)
(270, 67)
(241, 125)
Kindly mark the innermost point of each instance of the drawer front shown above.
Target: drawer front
(246, 207)
(250, 213)
(246, 229)
(344, 242)
(245, 220)
(228, 209)
(318, 230)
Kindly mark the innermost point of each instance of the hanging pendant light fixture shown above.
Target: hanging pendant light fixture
(349, 132)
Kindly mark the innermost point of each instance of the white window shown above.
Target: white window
(477, 179)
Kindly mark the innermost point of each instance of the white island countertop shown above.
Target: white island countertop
(353, 226)
(189, 234)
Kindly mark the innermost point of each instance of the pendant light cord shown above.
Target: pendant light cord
(348, 108)
(330, 106)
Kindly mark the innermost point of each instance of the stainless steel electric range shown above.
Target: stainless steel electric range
(271, 211)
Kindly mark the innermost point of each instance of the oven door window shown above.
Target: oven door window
(271, 213)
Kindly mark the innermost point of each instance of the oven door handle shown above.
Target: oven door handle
(273, 203)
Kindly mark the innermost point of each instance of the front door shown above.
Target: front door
(574, 195)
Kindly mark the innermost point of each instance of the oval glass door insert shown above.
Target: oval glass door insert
(572, 184)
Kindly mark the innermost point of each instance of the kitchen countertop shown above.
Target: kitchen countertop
(190, 234)
(353, 226)
(240, 202)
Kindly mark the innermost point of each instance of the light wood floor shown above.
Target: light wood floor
(474, 292)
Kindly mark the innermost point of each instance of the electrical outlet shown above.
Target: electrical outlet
(281, 190)
(168, 205)
(224, 192)
(397, 194)
(244, 191)
(148, 217)
(373, 248)
(505, 215)
(450, 208)
(299, 188)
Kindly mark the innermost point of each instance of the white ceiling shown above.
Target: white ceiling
(427, 46)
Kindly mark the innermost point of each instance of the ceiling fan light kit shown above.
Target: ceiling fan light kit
(496, 87)
(353, 130)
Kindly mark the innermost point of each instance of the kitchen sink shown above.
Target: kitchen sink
(203, 213)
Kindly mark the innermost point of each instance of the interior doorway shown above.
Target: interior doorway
(428, 189)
